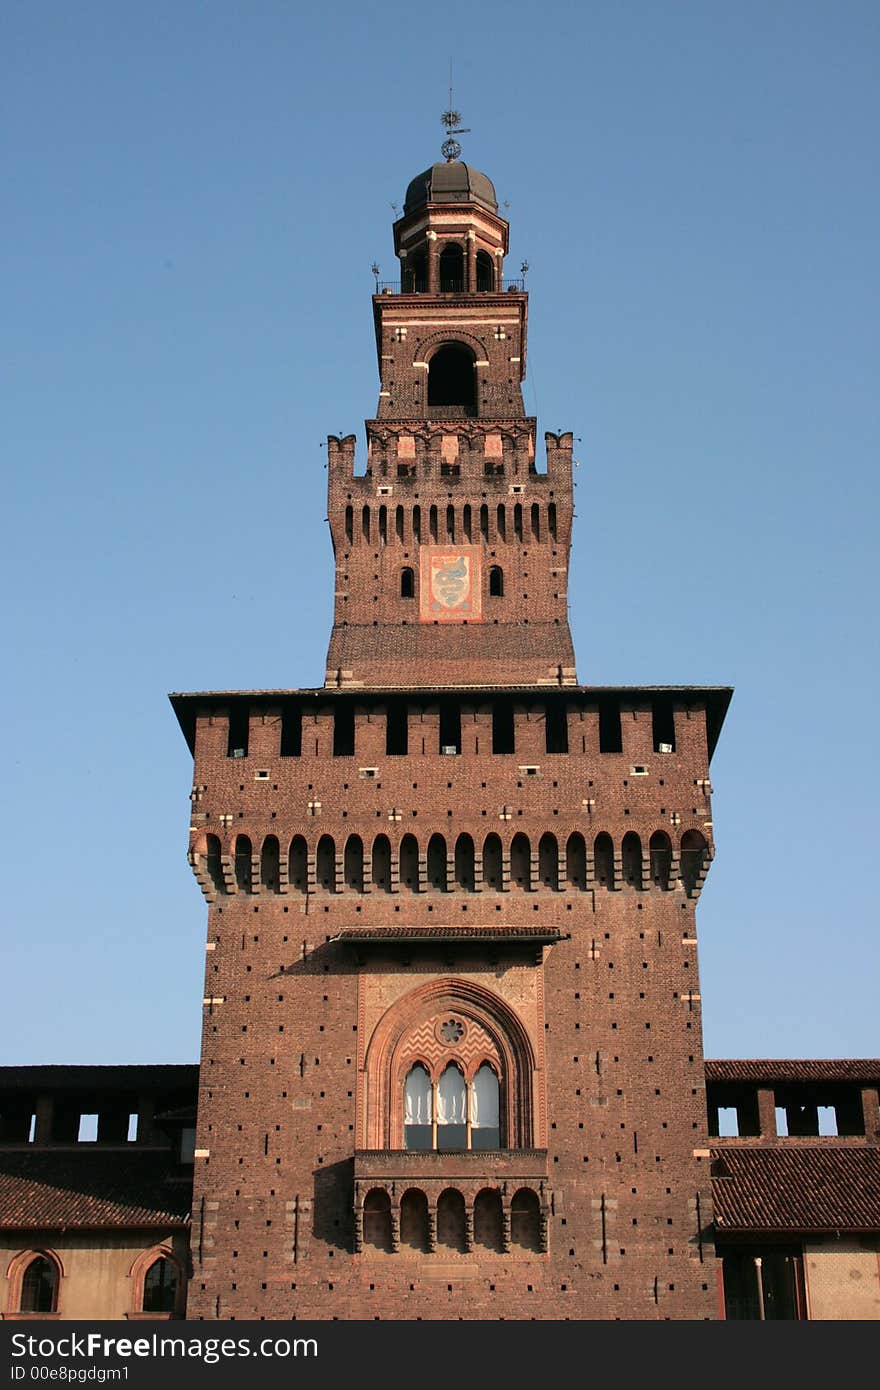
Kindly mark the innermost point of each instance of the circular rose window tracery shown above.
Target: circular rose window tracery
(450, 1029)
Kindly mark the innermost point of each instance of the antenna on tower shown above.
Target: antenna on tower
(451, 149)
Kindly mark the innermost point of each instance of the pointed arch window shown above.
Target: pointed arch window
(160, 1287)
(485, 1109)
(451, 1110)
(418, 1113)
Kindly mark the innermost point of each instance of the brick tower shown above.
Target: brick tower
(452, 1058)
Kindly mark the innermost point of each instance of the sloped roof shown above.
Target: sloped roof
(456, 933)
(119, 1078)
(781, 1069)
(798, 1189)
(89, 1189)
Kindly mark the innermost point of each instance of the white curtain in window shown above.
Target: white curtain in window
(484, 1099)
(451, 1098)
(417, 1097)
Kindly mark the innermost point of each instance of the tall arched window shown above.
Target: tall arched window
(485, 1110)
(437, 863)
(418, 1110)
(269, 864)
(39, 1286)
(694, 858)
(492, 874)
(214, 863)
(409, 864)
(520, 862)
(603, 859)
(381, 867)
(464, 863)
(353, 864)
(548, 862)
(660, 850)
(496, 581)
(631, 859)
(451, 269)
(576, 861)
(452, 381)
(297, 866)
(160, 1287)
(243, 863)
(415, 279)
(325, 864)
(451, 1110)
(485, 272)
(407, 583)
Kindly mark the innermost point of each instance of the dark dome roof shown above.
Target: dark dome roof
(452, 182)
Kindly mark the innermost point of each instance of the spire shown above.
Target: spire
(451, 149)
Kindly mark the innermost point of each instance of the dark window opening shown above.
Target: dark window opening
(694, 860)
(452, 381)
(576, 862)
(451, 1223)
(343, 731)
(663, 724)
(243, 863)
(485, 272)
(409, 864)
(432, 523)
(518, 521)
(325, 865)
(417, 525)
(536, 522)
(763, 1285)
(603, 859)
(484, 522)
(353, 864)
(492, 874)
(436, 863)
(496, 581)
(237, 743)
(548, 862)
(214, 863)
(407, 583)
(451, 269)
(551, 520)
(520, 863)
(464, 863)
(660, 850)
(349, 525)
(383, 525)
(450, 523)
(503, 736)
(160, 1287)
(39, 1287)
(381, 867)
(502, 522)
(270, 857)
(396, 729)
(297, 866)
(450, 726)
(610, 733)
(291, 731)
(415, 276)
(466, 521)
(365, 524)
(398, 524)
(556, 727)
(631, 860)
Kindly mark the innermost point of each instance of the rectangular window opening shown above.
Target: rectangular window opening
(663, 724)
(88, 1129)
(503, 740)
(237, 744)
(396, 729)
(556, 727)
(132, 1134)
(291, 731)
(450, 726)
(343, 730)
(610, 733)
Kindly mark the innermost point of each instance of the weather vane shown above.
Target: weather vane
(450, 148)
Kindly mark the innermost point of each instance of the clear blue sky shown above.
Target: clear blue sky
(194, 193)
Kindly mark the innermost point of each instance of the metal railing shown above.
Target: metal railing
(447, 287)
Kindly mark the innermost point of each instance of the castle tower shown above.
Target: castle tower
(451, 1058)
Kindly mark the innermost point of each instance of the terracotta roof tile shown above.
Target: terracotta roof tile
(797, 1069)
(807, 1189)
(70, 1190)
(531, 933)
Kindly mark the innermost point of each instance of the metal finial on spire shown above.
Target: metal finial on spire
(451, 149)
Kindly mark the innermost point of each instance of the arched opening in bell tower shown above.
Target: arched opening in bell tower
(451, 269)
(485, 272)
(452, 381)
